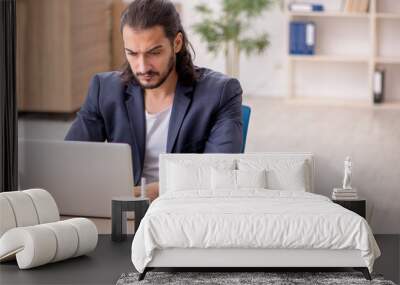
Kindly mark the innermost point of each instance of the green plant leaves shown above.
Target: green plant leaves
(231, 25)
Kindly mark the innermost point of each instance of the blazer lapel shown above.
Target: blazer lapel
(135, 109)
(180, 105)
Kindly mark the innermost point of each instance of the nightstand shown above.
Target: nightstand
(358, 206)
(121, 205)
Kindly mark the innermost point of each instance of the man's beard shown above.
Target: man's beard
(171, 65)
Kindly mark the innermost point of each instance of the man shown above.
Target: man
(160, 102)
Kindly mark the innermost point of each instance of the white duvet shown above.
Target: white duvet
(250, 219)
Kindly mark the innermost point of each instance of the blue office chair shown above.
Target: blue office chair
(246, 110)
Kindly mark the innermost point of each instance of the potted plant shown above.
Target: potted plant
(228, 30)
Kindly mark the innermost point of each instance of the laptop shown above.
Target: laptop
(82, 177)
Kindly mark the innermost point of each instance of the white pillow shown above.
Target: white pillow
(223, 179)
(186, 174)
(181, 177)
(251, 178)
(226, 179)
(282, 174)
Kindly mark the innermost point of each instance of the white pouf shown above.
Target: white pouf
(31, 232)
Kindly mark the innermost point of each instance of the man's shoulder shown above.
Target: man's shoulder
(109, 87)
(214, 83)
(208, 76)
(109, 78)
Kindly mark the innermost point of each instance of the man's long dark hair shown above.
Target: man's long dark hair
(144, 14)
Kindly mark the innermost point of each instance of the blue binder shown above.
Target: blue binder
(302, 38)
(292, 38)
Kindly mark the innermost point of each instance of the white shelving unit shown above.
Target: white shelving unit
(382, 36)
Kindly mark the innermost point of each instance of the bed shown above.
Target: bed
(248, 210)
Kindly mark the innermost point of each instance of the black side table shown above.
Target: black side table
(121, 205)
(358, 206)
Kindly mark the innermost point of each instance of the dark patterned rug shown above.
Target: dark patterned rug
(269, 278)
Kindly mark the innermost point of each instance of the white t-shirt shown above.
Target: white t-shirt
(156, 142)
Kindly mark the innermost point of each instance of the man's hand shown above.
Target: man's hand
(151, 191)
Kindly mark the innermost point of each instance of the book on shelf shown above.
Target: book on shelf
(355, 6)
(305, 7)
(302, 38)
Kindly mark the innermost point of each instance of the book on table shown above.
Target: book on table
(344, 194)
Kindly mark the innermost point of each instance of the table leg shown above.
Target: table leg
(118, 222)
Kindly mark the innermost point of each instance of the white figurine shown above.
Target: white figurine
(347, 173)
(143, 188)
